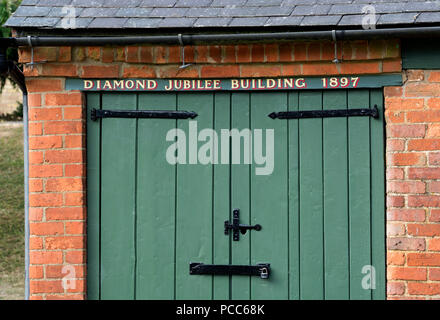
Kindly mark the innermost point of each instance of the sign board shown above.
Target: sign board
(254, 84)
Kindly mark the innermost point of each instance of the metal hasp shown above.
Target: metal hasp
(148, 114)
(374, 112)
(262, 269)
(236, 227)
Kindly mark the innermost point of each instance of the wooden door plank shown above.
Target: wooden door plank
(93, 198)
(311, 199)
(269, 197)
(240, 195)
(118, 200)
(377, 155)
(194, 205)
(155, 231)
(335, 198)
(293, 200)
(221, 196)
(359, 193)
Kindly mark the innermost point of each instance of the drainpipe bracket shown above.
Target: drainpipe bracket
(32, 63)
(182, 52)
(335, 40)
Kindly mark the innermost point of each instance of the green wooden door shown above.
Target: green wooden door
(321, 208)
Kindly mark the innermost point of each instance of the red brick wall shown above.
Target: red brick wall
(57, 188)
(413, 188)
(57, 143)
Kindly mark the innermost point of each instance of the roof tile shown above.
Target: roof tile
(54, 3)
(282, 21)
(104, 23)
(397, 18)
(344, 9)
(387, 7)
(203, 12)
(29, 2)
(32, 11)
(225, 3)
(121, 3)
(320, 20)
(428, 17)
(356, 20)
(64, 11)
(222, 13)
(297, 2)
(176, 22)
(40, 22)
(239, 12)
(212, 22)
(15, 21)
(273, 11)
(248, 22)
(99, 12)
(133, 12)
(264, 3)
(311, 10)
(192, 3)
(87, 3)
(158, 3)
(336, 1)
(77, 23)
(142, 22)
(169, 12)
(421, 6)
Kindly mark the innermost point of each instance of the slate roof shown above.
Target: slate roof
(159, 14)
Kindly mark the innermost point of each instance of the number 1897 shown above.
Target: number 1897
(342, 82)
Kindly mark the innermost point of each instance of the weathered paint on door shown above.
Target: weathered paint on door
(322, 208)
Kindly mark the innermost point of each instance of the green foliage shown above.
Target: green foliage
(7, 8)
(11, 200)
(16, 115)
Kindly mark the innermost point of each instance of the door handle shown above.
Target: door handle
(238, 228)
(243, 228)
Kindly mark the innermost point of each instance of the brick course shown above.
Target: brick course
(288, 59)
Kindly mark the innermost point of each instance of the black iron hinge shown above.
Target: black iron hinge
(374, 112)
(145, 114)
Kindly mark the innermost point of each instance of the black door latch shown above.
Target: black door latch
(236, 227)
